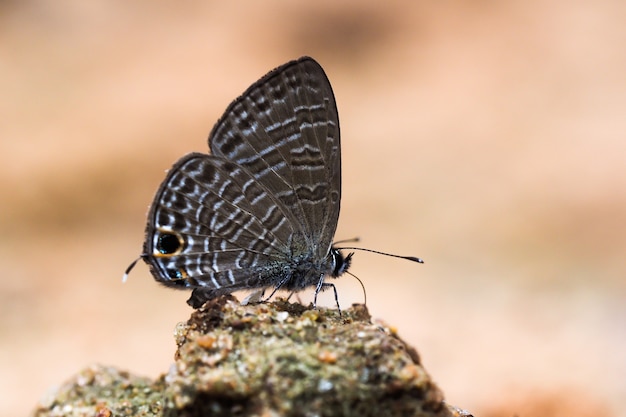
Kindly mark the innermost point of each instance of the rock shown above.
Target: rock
(270, 359)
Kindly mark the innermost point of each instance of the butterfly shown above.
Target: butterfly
(260, 211)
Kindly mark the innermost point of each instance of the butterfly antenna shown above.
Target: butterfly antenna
(408, 258)
(130, 267)
(352, 239)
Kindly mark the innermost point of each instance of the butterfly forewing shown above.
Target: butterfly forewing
(262, 209)
(285, 130)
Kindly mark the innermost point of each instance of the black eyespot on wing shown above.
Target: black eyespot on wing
(168, 243)
(177, 278)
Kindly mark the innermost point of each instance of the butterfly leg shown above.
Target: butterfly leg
(271, 295)
(289, 296)
(278, 286)
(321, 285)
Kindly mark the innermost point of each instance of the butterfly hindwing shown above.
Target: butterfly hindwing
(211, 220)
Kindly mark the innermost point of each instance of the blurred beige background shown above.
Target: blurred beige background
(486, 137)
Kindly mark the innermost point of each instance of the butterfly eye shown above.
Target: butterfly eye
(169, 243)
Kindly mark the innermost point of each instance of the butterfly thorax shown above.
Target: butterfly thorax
(307, 270)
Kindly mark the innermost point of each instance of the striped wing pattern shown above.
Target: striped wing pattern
(285, 130)
(262, 209)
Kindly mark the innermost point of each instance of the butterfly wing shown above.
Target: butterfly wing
(213, 225)
(269, 192)
(285, 130)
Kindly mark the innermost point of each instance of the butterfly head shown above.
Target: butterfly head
(339, 263)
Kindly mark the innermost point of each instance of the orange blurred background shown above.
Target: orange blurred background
(486, 137)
